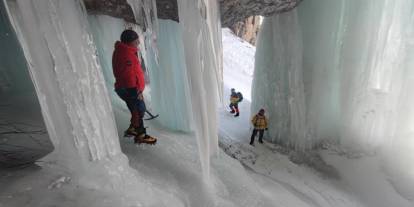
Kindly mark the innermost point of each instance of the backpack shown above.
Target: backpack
(240, 95)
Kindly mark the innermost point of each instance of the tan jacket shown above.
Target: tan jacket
(234, 99)
(259, 122)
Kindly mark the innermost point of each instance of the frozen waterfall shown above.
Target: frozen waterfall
(57, 45)
(339, 71)
(72, 73)
(278, 80)
(202, 47)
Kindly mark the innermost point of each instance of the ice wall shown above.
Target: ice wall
(185, 97)
(356, 73)
(202, 47)
(278, 85)
(106, 31)
(69, 84)
(170, 92)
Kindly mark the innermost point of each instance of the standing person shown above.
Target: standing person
(130, 83)
(235, 98)
(259, 122)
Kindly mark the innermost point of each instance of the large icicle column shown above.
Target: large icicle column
(71, 90)
(278, 80)
(202, 47)
(355, 68)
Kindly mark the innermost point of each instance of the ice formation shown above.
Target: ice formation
(348, 82)
(20, 133)
(170, 94)
(69, 83)
(202, 47)
(184, 83)
(278, 80)
(58, 45)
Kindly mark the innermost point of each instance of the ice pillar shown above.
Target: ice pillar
(68, 80)
(278, 85)
(355, 62)
(200, 23)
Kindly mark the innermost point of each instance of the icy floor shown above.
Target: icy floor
(170, 174)
(20, 127)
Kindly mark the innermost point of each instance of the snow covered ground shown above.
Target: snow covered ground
(260, 175)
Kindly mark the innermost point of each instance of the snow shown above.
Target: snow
(282, 183)
(101, 168)
(368, 180)
(239, 71)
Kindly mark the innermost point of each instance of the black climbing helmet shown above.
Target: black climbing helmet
(261, 111)
(128, 36)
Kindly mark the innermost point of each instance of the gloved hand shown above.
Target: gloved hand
(140, 96)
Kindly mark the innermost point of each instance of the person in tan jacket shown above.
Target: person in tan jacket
(259, 122)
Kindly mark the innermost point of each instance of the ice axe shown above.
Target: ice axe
(151, 115)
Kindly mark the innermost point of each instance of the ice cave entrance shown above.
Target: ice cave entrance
(23, 135)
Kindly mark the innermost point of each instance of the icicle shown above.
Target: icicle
(67, 78)
(202, 47)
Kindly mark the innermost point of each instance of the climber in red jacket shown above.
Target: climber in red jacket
(130, 83)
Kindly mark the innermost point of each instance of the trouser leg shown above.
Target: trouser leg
(261, 135)
(232, 108)
(253, 135)
(140, 105)
(130, 96)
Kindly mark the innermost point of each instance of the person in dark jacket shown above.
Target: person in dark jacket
(130, 83)
(234, 102)
(259, 122)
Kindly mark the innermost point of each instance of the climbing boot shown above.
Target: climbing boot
(144, 138)
(130, 132)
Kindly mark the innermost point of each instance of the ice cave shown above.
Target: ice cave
(333, 79)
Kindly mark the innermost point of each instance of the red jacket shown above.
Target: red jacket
(127, 68)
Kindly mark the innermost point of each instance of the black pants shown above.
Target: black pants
(261, 131)
(135, 106)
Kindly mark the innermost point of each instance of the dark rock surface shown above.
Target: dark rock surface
(247, 29)
(232, 11)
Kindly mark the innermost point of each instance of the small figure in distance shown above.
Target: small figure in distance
(235, 99)
(259, 122)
